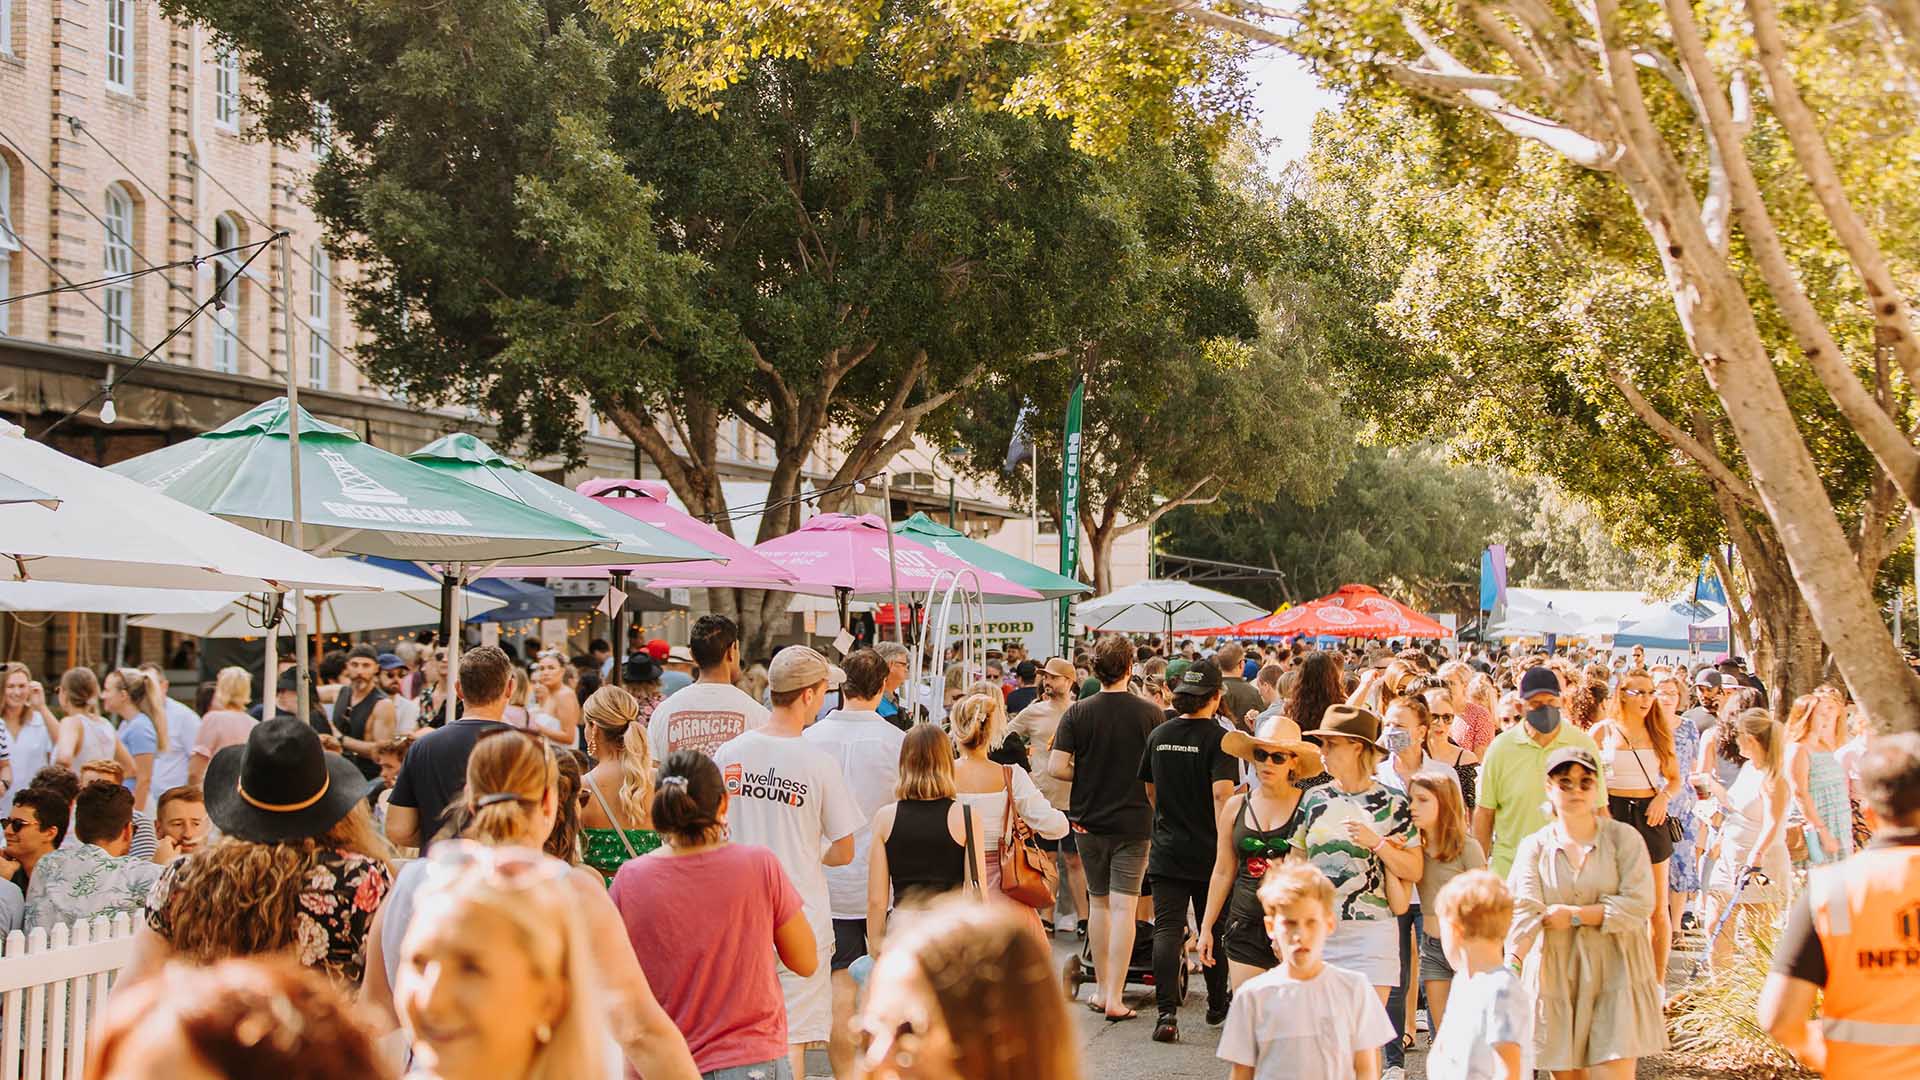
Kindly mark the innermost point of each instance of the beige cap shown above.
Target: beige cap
(1060, 669)
(797, 667)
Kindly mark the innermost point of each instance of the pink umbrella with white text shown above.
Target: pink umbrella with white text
(646, 500)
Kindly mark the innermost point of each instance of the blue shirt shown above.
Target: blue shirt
(139, 736)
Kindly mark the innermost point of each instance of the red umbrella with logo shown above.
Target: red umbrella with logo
(1349, 611)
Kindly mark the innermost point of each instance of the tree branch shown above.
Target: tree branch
(1889, 305)
(1710, 462)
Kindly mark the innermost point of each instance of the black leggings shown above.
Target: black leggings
(1172, 897)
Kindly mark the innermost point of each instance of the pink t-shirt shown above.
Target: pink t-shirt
(221, 728)
(702, 926)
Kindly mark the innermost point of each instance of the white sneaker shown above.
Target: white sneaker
(1067, 924)
(1394, 1072)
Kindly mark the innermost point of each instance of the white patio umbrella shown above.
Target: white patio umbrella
(404, 600)
(109, 530)
(1161, 606)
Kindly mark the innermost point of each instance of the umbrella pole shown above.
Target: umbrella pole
(448, 619)
(619, 631)
(893, 568)
(293, 450)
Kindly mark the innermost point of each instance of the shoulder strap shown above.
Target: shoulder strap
(973, 865)
(1006, 777)
(607, 809)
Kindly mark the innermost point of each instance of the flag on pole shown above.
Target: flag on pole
(1493, 576)
(1020, 446)
(1070, 507)
(1707, 584)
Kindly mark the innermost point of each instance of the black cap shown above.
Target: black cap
(1539, 680)
(1026, 671)
(1200, 680)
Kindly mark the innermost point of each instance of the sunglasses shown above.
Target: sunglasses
(1585, 783)
(1277, 757)
(1270, 849)
(14, 824)
(1636, 693)
(504, 867)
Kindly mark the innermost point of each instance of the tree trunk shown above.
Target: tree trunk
(1788, 655)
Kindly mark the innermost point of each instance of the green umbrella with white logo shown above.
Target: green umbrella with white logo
(952, 542)
(467, 458)
(355, 498)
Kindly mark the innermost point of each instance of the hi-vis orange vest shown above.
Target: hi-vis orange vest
(1867, 912)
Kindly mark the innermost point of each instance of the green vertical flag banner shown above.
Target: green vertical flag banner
(1070, 508)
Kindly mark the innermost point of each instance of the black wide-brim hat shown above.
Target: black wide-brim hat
(282, 785)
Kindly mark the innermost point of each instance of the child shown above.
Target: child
(1303, 1020)
(1487, 1033)
(1449, 850)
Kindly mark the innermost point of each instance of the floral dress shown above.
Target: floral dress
(334, 913)
(1683, 870)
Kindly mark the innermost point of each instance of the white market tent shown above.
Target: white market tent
(1159, 606)
(1565, 612)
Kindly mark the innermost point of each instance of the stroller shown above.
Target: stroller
(1078, 970)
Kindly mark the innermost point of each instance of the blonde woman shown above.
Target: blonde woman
(226, 722)
(992, 790)
(1643, 773)
(1752, 871)
(617, 795)
(85, 735)
(508, 809)
(1816, 728)
(519, 693)
(919, 841)
(159, 760)
(554, 711)
(30, 730)
(497, 977)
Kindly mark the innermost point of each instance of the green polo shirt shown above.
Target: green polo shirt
(1513, 784)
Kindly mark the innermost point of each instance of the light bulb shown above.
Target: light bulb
(859, 487)
(108, 414)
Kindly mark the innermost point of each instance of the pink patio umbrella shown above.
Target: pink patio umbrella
(646, 500)
(841, 555)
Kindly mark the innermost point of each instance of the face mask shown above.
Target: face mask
(1544, 719)
(1398, 739)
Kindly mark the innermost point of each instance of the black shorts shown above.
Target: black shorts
(1632, 809)
(1248, 943)
(849, 942)
(1065, 844)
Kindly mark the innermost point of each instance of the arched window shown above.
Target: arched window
(319, 314)
(226, 285)
(9, 244)
(120, 45)
(226, 87)
(117, 244)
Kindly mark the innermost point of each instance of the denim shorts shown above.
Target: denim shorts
(1433, 959)
(777, 1069)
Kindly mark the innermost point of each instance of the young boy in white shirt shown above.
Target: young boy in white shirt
(1303, 1020)
(1487, 1030)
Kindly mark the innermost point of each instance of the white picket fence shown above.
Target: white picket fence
(52, 986)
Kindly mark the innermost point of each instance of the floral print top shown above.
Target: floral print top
(335, 911)
(1359, 877)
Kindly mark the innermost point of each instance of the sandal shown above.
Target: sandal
(1097, 1006)
(1407, 1044)
(1117, 1018)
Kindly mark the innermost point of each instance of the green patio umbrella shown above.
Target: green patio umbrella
(356, 499)
(952, 542)
(467, 458)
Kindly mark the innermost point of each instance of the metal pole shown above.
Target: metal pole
(301, 691)
(618, 583)
(953, 504)
(893, 568)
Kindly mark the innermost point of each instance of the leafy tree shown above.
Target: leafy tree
(1777, 255)
(835, 255)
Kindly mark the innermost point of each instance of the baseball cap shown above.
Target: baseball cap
(1176, 670)
(1027, 670)
(797, 667)
(1710, 679)
(1539, 680)
(657, 649)
(388, 661)
(1060, 669)
(1199, 680)
(1571, 755)
(680, 654)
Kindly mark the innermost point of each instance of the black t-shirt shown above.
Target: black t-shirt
(436, 770)
(1020, 698)
(1182, 761)
(1106, 734)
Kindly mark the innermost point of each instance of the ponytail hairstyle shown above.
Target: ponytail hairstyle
(686, 802)
(509, 773)
(1760, 726)
(80, 691)
(146, 697)
(620, 730)
(979, 719)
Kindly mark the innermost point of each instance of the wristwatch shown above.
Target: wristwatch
(1576, 918)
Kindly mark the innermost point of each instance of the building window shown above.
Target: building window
(322, 129)
(120, 45)
(118, 246)
(226, 287)
(9, 243)
(319, 305)
(6, 26)
(226, 87)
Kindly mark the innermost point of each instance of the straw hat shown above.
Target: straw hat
(1348, 722)
(1276, 733)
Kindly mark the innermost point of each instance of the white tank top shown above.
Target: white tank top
(1634, 770)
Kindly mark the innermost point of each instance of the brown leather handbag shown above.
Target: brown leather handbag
(1027, 874)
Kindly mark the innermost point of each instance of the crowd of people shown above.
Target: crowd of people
(705, 867)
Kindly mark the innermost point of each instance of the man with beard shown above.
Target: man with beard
(362, 715)
(393, 675)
